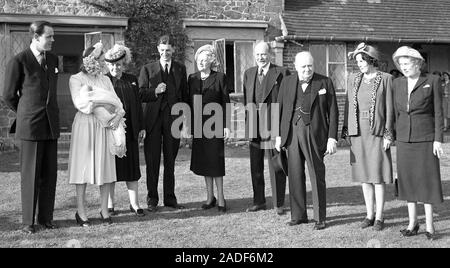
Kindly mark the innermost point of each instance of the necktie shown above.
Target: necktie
(261, 75)
(43, 61)
(166, 70)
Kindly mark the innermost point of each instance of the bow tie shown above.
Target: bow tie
(305, 81)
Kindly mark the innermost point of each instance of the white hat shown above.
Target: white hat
(406, 51)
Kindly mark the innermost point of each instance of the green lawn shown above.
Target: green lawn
(193, 227)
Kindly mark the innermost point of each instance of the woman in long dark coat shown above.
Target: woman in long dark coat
(419, 131)
(126, 87)
(208, 158)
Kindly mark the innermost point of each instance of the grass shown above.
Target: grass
(194, 228)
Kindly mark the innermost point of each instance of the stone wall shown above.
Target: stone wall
(266, 10)
(51, 7)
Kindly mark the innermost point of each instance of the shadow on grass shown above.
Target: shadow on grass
(352, 196)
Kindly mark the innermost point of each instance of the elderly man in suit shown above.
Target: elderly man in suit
(309, 123)
(30, 91)
(162, 84)
(261, 86)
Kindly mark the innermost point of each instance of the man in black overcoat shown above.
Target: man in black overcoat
(30, 91)
(309, 123)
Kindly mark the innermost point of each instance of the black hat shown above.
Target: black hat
(279, 161)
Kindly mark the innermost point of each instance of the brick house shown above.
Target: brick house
(328, 28)
(332, 28)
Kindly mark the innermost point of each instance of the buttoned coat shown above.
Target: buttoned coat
(274, 77)
(421, 118)
(149, 78)
(324, 110)
(31, 91)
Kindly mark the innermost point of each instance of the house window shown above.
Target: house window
(331, 60)
(237, 57)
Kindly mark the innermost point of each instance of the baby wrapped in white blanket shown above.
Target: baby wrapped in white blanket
(106, 107)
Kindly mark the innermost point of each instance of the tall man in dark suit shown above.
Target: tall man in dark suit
(30, 91)
(261, 86)
(309, 123)
(162, 84)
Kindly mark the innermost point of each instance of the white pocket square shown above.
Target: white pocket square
(56, 70)
(322, 91)
(134, 83)
(426, 86)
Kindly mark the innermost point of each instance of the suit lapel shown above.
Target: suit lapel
(252, 79)
(404, 92)
(157, 69)
(292, 92)
(421, 81)
(31, 59)
(271, 79)
(176, 75)
(315, 87)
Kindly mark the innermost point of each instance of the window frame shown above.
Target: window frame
(328, 62)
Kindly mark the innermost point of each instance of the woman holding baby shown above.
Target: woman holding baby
(96, 132)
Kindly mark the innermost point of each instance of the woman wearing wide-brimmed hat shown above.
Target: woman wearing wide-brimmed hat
(419, 136)
(368, 124)
(127, 89)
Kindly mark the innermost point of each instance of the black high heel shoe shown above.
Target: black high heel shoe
(106, 220)
(112, 212)
(80, 221)
(430, 236)
(210, 205)
(224, 208)
(139, 212)
(413, 232)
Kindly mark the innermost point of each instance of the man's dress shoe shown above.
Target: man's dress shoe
(29, 229)
(48, 225)
(320, 225)
(175, 206)
(152, 208)
(280, 211)
(255, 208)
(296, 222)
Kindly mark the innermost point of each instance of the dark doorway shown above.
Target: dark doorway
(68, 48)
(229, 54)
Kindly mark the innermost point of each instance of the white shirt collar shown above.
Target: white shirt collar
(36, 53)
(163, 64)
(265, 69)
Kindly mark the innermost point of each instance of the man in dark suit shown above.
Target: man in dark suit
(309, 122)
(162, 84)
(261, 85)
(30, 91)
